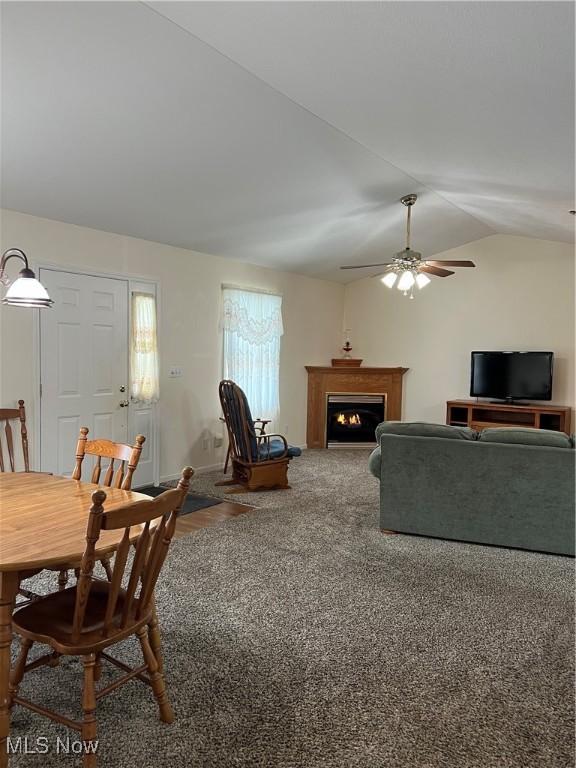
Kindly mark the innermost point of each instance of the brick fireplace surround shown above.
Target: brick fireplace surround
(361, 381)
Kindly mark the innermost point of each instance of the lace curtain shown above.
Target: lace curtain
(144, 386)
(252, 331)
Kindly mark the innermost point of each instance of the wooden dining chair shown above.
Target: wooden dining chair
(87, 619)
(12, 422)
(18, 417)
(119, 476)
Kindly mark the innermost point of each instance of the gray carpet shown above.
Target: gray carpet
(298, 636)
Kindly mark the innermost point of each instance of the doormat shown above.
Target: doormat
(194, 501)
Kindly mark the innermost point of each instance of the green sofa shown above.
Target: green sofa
(508, 487)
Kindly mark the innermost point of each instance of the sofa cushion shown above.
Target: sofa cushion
(423, 429)
(526, 436)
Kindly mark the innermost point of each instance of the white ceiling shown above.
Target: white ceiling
(285, 133)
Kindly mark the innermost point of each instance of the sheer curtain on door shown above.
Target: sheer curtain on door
(252, 324)
(144, 385)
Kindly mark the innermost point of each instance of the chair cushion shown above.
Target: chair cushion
(423, 429)
(526, 436)
(239, 420)
(276, 450)
(240, 425)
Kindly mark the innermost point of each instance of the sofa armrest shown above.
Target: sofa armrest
(374, 462)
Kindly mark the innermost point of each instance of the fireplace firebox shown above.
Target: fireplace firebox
(352, 418)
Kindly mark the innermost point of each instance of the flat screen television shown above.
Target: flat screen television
(512, 375)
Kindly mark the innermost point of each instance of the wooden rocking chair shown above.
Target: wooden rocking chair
(259, 462)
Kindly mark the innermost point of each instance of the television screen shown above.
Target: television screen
(512, 375)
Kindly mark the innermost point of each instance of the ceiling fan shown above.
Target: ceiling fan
(407, 266)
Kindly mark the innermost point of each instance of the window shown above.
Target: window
(252, 333)
(144, 386)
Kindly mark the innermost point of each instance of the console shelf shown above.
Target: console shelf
(479, 416)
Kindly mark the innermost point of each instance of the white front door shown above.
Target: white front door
(83, 365)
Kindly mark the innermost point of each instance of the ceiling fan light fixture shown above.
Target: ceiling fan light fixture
(389, 279)
(422, 280)
(406, 281)
(407, 268)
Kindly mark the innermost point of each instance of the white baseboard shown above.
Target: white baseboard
(197, 471)
(167, 478)
(209, 468)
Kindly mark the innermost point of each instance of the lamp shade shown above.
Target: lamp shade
(422, 280)
(406, 281)
(389, 279)
(27, 292)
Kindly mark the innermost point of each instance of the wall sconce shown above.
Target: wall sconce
(25, 291)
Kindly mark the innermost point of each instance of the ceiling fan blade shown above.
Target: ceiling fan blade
(365, 266)
(444, 263)
(438, 271)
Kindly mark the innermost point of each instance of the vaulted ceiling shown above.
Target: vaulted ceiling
(284, 134)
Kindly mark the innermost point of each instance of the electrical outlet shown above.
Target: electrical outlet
(174, 372)
(218, 442)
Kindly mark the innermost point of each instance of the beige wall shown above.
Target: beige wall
(189, 327)
(519, 297)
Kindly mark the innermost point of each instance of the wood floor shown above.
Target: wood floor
(211, 516)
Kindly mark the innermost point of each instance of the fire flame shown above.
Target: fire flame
(352, 420)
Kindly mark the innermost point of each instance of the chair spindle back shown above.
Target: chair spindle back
(151, 548)
(119, 476)
(7, 436)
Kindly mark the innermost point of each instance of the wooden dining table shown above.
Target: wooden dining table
(43, 521)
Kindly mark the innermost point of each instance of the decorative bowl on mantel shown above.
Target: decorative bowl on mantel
(346, 362)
